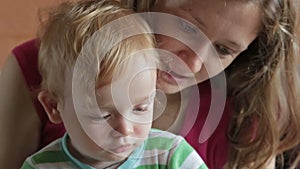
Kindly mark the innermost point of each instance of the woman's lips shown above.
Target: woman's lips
(173, 78)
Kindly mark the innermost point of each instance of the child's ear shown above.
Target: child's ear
(49, 102)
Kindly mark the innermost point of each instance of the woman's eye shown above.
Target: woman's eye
(223, 50)
(187, 27)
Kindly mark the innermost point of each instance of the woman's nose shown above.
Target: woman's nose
(191, 59)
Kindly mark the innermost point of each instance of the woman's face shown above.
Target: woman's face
(214, 33)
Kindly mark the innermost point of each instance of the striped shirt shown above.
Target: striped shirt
(161, 150)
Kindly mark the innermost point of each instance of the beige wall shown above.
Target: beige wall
(18, 22)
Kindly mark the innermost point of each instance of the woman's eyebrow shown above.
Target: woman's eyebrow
(236, 45)
(200, 22)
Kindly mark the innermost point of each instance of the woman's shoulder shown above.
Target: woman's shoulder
(28, 47)
(26, 55)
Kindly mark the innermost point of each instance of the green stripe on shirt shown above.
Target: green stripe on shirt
(180, 155)
(152, 166)
(27, 166)
(203, 166)
(49, 157)
(161, 143)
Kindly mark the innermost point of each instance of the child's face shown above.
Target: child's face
(121, 121)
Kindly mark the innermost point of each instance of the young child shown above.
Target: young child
(101, 85)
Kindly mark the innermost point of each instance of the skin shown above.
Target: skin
(230, 29)
(114, 127)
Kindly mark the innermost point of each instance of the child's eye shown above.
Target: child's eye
(187, 27)
(142, 108)
(106, 117)
(103, 117)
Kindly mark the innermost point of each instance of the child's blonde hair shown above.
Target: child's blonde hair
(70, 26)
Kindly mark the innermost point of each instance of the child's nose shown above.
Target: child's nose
(123, 126)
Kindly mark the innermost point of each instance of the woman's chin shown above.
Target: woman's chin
(170, 84)
(170, 88)
(167, 88)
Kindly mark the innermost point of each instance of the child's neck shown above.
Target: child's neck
(92, 162)
(109, 165)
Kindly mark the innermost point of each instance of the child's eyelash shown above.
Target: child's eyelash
(142, 108)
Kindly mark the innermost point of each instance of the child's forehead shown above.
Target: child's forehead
(126, 90)
(129, 76)
(135, 70)
(134, 63)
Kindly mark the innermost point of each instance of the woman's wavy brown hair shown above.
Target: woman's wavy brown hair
(264, 84)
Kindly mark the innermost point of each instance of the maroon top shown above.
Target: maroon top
(214, 151)
(27, 57)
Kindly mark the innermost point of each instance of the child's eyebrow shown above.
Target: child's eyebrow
(145, 99)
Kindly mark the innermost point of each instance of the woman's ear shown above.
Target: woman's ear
(49, 102)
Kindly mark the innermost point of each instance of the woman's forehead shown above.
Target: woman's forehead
(220, 20)
(200, 4)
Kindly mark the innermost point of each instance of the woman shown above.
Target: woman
(255, 37)
(257, 78)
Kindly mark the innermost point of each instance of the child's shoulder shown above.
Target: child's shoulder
(163, 139)
(52, 153)
(163, 148)
(160, 133)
